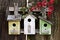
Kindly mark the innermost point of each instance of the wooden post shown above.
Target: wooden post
(15, 38)
(47, 37)
(27, 3)
(42, 37)
(15, 13)
(26, 36)
(15, 8)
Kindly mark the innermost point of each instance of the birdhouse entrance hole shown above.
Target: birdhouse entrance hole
(14, 24)
(29, 20)
(45, 25)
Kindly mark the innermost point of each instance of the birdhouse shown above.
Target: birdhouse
(29, 24)
(44, 27)
(13, 25)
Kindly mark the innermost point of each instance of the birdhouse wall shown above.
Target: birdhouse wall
(29, 25)
(45, 27)
(14, 27)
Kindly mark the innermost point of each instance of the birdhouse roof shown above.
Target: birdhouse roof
(29, 15)
(41, 18)
(13, 17)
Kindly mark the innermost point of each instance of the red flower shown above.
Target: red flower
(50, 11)
(49, 14)
(51, 2)
(39, 4)
(32, 8)
(44, 3)
(51, 8)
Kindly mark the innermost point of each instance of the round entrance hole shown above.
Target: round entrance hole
(29, 20)
(14, 24)
(45, 25)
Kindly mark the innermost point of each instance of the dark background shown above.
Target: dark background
(55, 18)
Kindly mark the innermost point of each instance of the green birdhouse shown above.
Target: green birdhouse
(45, 27)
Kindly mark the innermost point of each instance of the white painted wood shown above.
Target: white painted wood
(36, 31)
(10, 17)
(13, 17)
(29, 27)
(12, 8)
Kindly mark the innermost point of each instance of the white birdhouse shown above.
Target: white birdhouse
(13, 25)
(29, 24)
(44, 27)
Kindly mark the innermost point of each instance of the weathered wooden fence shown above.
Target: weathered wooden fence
(4, 4)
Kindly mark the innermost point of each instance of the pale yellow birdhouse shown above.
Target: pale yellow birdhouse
(13, 25)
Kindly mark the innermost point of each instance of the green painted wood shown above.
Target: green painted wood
(45, 27)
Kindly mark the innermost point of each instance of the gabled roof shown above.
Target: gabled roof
(29, 15)
(13, 17)
(41, 18)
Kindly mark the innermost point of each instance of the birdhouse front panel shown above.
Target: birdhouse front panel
(14, 27)
(29, 25)
(45, 28)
